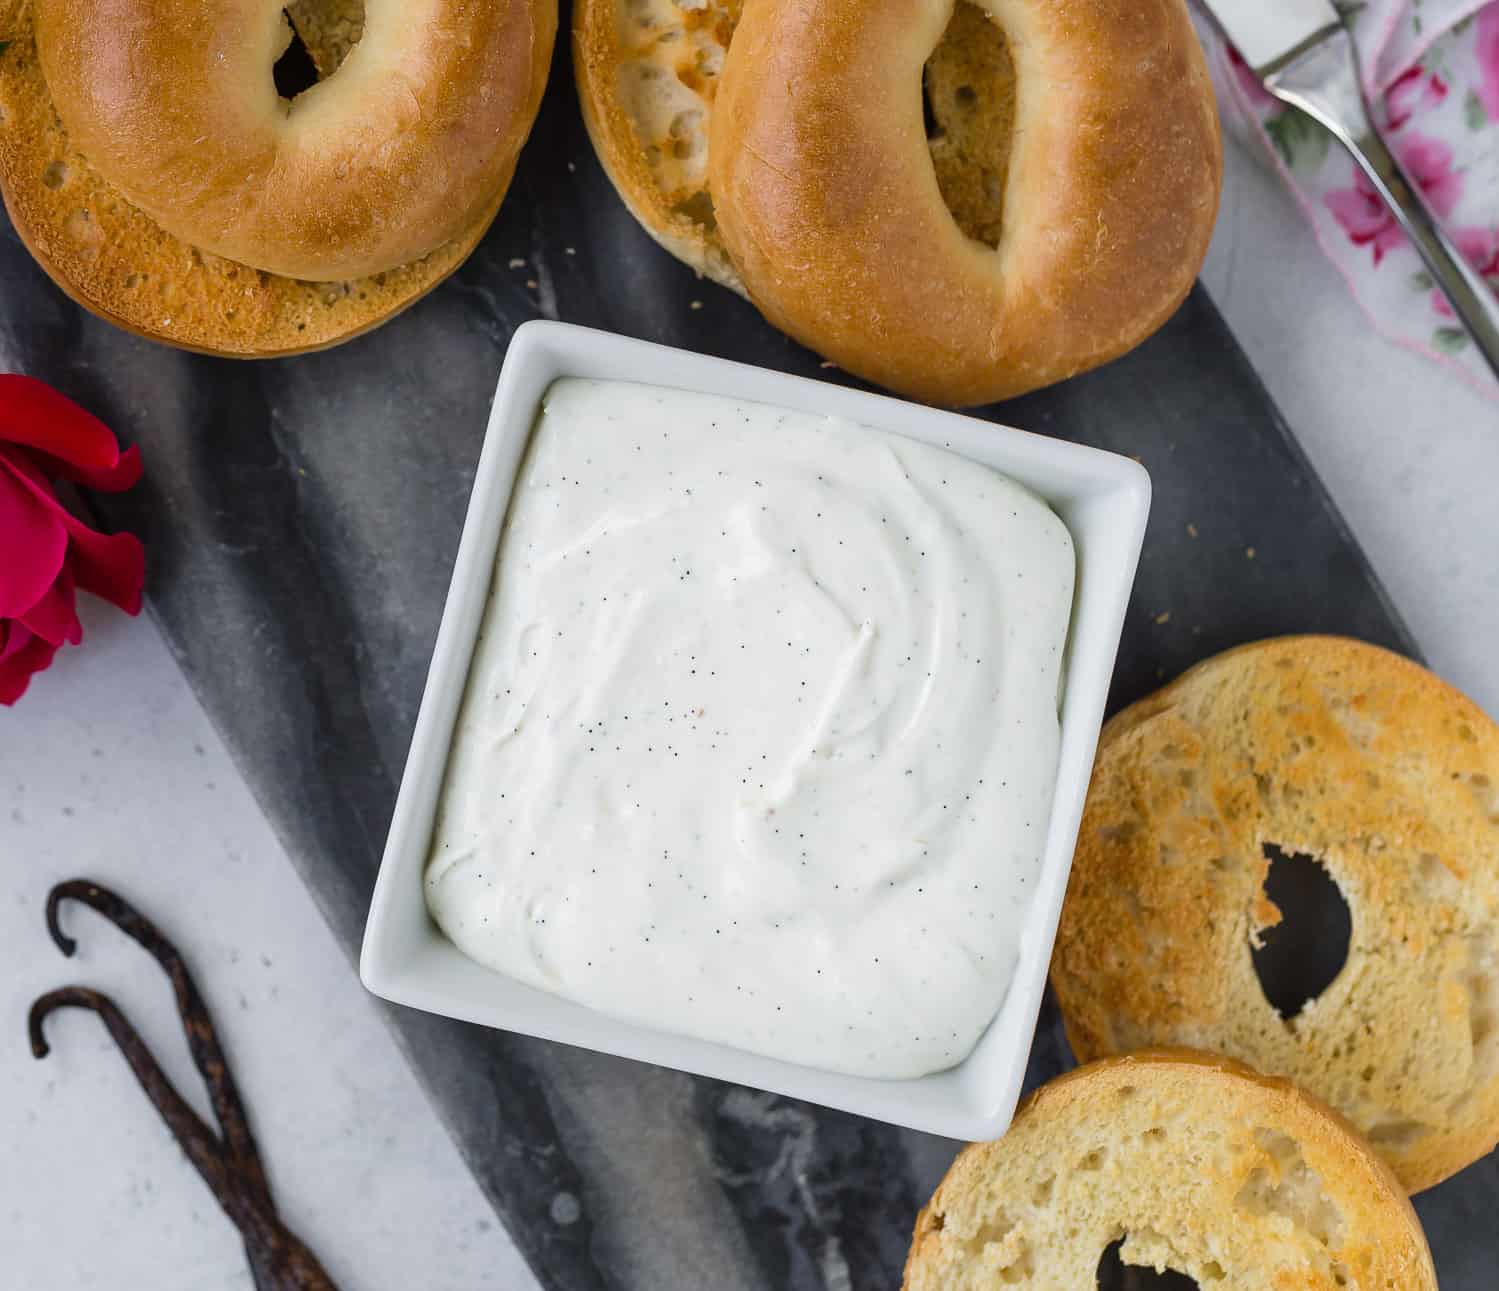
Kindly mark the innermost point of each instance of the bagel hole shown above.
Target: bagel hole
(56, 174)
(969, 104)
(1115, 1275)
(294, 70)
(1301, 956)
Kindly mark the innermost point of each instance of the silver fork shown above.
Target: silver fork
(1320, 76)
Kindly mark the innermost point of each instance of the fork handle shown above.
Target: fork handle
(1324, 83)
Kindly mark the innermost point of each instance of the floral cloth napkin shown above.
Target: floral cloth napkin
(1431, 72)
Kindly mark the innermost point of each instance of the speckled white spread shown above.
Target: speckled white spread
(761, 732)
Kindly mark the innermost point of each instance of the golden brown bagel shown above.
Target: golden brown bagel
(116, 260)
(647, 73)
(1199, 1164)
(398, 152)
(826, 198)
(1372, 766)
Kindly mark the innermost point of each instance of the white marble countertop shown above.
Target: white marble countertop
(108, 768)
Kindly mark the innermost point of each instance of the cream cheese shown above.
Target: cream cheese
(760, 733)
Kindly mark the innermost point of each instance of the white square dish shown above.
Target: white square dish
(1102, 498)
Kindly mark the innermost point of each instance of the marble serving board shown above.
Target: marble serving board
(301, 517)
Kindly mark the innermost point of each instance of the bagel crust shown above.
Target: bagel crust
(1198, 1163)
(1373, 767)
(826, 197)
(408, 145)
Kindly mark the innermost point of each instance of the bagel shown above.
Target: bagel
(283, 232)
(1197, 1163)
(1366, 763)
(647, 73)
(1053, 215)
(830, 208)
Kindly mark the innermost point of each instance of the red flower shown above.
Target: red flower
(1414, 89)
(45, 551)
(1365, 217)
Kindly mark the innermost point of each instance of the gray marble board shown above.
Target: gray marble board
(301, 517)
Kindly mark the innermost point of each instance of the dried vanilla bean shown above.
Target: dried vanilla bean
(208, 1055)
(231, 1166)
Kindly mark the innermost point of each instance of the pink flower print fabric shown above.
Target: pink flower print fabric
(1431, 74)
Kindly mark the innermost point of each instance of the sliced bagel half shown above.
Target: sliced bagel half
(1171, 1161)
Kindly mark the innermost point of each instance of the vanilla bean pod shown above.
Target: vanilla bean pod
(230, 1166)
(202, 1041)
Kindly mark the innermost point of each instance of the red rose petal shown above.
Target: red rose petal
(22, 655)
(33, 413)
(122, 475)
(33, 538)
(109, 565)
(54, 618)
